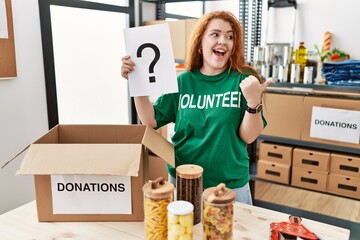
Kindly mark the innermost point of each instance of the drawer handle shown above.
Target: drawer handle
(310, 162)
(349, 168)
(347, 187)
(275, 155)
(309, 180)
(269, 172)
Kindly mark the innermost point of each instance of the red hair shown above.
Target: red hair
(194, 59)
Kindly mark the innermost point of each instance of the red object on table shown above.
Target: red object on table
(292, 228)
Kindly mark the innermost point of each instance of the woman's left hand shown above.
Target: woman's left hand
(252, 89)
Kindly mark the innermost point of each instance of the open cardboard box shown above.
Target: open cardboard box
(93, 172)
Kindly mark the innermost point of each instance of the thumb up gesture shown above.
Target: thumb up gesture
(252, 89)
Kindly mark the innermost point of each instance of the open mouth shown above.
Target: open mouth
(219, 52)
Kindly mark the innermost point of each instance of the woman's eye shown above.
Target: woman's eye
(229, 37)
(214, 34)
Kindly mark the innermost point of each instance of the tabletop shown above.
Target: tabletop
(250, 223)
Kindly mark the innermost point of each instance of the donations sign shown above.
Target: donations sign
(91, 194)
(335, 124)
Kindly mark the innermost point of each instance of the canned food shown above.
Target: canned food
(295, 73)
(308, 74)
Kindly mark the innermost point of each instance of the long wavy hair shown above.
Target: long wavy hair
(194, 59)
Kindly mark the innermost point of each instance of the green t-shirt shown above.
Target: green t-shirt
(207, 112)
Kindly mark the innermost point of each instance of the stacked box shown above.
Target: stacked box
(310, 169)
(344, 177)
(274, 162)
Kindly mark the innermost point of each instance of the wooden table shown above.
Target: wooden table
(250, 223)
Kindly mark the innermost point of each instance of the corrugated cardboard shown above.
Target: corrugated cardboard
(309, 179)
(311, 159)
(275, 153)
(180, 32)
(273, 171)
(283, 114)
(343, 164)
(120, 150)
(337, 103)
(343, 185)
(157, 167)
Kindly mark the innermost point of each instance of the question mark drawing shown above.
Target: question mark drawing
(154, 61)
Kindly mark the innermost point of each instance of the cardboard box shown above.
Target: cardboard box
(309, 179)
(283, 114)
(275, 153)
(273, 171)
(347, 165)
(343, 185)
(157, 167)
(311, 159)
(180, 32)
(93, 172)
(335, 103)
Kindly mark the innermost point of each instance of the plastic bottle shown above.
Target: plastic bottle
(301, 55)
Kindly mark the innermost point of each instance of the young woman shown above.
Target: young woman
(217, 110)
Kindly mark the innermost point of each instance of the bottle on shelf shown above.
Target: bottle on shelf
(300, 58)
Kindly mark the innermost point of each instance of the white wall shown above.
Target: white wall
(23, 114)
(313, 19)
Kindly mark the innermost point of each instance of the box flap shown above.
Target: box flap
(159, 145)
(98, 159)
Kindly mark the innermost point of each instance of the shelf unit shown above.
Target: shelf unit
(338, 92)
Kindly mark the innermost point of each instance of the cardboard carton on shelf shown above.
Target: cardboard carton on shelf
(344, 185)
(311, 159)
(276, 153)
(345, 164)
(180, 32)
(310, 179)
(283, 114)
(273, 171)
(93, 172)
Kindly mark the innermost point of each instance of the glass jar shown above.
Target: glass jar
(157, 196)
(180, 220)
(218, 213)
(189, 187)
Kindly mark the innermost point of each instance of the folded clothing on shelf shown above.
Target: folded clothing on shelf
(342, 73)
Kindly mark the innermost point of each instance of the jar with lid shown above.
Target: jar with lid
(180, 220)
(218, 213)
(189, 187)
(157, 196)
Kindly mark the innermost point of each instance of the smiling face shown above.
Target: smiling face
(216, 46)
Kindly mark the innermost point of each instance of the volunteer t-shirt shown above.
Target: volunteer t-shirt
(207, 112)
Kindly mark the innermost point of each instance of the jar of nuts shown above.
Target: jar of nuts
(157, 196)
(218, 212)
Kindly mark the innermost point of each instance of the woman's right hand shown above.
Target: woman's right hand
(127, 66)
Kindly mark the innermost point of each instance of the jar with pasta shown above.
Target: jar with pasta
(218, 212)
(157, 196)
(189, 187)
(180, 220)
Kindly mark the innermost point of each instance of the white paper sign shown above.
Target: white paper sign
(91, 194)
(151, 51)
(335, 124)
